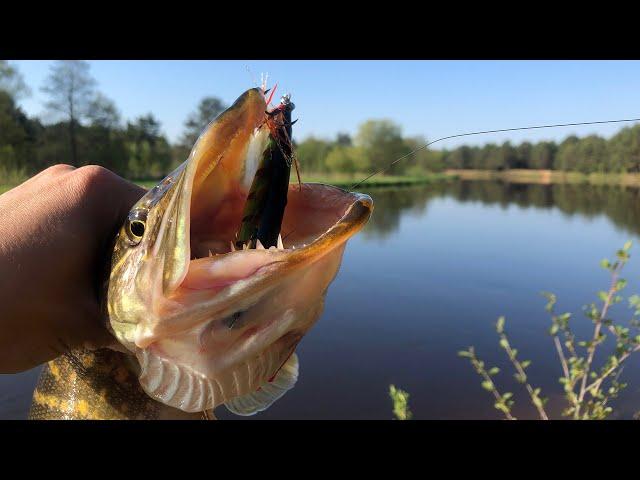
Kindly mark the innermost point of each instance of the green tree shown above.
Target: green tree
(149, 151)
(312, 153)
(18, 137)
(460, 157)
(592, 154)
(103, 140)
(208, 109)
(70, 88)
(567, 157)
(381, 143)
(423, 160)
(522, 156)
(342, 159)
(103, 112)
(542, 155)
(624, 150)
(11, 81)
(344, 140)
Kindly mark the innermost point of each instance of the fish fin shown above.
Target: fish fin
(269, 392)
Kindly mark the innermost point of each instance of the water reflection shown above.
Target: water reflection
(618, 203)
(428, 276)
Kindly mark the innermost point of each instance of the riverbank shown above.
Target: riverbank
(346, 181)
(378, 181)
(343, 181)
(546, 177)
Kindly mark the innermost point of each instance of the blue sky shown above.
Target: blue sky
(429, 98)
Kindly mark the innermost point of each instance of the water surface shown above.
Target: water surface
(427, 277)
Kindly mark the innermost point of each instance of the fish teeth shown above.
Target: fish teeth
(259, 245)
(233, 247)
(245, 246)
(280, 244)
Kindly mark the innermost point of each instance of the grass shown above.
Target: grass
(390, 181)
(343, 181)
(346, 181)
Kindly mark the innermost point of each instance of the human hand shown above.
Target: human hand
(55, 232)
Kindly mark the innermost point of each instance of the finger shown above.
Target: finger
(51, 172)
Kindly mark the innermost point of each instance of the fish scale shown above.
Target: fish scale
(96, 385)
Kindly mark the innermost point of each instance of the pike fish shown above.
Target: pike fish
(206, 314)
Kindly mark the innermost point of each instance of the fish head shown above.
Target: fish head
(210, 323)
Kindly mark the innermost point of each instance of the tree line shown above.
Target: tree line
(85, 127)
(379, 142)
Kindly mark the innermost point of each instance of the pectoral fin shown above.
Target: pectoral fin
(269, 392)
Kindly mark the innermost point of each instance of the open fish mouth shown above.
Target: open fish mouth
(209, 320)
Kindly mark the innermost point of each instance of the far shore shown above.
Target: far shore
(546, 177)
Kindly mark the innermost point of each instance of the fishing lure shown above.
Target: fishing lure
(267, 199)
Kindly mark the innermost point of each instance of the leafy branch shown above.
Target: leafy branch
(587, 390)
(400, 400)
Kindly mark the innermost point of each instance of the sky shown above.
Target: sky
(426, 98)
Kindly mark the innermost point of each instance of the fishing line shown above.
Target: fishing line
(483, 132)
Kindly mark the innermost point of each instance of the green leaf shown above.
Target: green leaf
(551, 299)
(487, 385)
(564, 317)
(500, 325)
(602, 295)
(620, 284)
(464, 353)
(504, 343)
(605, 263)
(494, 371)
(627, 246)
(554, 329)
(525, 364)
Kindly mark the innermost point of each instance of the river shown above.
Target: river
(427, 277)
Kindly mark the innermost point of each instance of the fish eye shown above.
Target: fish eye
(135, 227)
